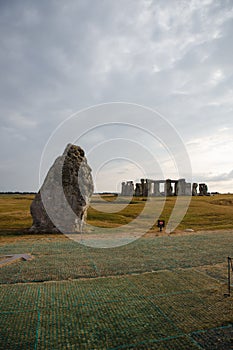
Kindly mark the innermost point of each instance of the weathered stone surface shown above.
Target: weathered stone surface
(194, 189)
(203, 189)
(127, 188)
(168, 188)
(62, 202)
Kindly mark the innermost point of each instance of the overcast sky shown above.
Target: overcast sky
(58, 57)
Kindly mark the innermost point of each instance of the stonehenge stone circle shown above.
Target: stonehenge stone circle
(151, 188)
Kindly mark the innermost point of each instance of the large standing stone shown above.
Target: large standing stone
(194, 189)
(62, 202)
(168, 188)
(138, 190)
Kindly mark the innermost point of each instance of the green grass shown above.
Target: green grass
(159, 292)
(58, 258)
(161, 310)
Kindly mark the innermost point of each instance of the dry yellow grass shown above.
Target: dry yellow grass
(15, 212)
(204, 213)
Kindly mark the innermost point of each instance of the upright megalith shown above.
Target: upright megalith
(168, 188)
(194, 189)
(127, 188)
(62, 201)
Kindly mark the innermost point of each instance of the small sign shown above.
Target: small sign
(161, 224)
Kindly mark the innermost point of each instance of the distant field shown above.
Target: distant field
(15, 212)
(215, 212)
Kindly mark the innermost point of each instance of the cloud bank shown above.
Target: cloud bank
(59, 57)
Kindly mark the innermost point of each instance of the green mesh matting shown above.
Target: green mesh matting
(74, 297)
(63, 259)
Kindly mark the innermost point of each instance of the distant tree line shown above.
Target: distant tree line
(17, 192)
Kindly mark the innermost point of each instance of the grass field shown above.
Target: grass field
(214, 212)
(159, 292)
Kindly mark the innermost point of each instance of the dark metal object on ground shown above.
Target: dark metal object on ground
(229, 270)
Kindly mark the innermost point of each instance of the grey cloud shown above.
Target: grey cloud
(222, 177)
(58, 57)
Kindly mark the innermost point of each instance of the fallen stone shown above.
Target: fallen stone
(9, 259)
